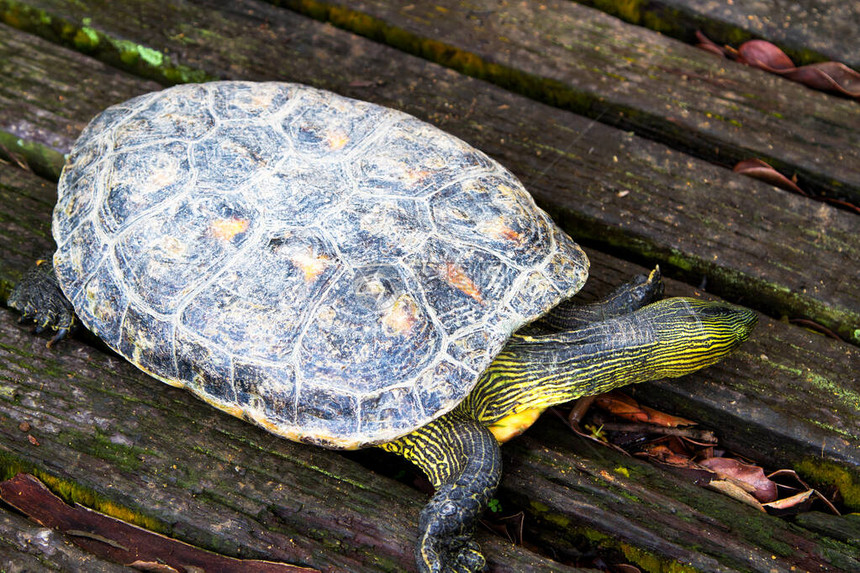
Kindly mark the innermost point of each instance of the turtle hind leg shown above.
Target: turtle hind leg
(629, 297)
(463, 461)
(38, 297)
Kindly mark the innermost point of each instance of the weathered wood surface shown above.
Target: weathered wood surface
(603, 184)
(787, 397)
(113, 438)
(107, 433)
(807, 30)
(29, 548)
(47, 95)
(584, 60)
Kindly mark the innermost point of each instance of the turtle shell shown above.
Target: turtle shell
(338, 272)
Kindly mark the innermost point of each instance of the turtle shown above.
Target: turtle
(346, 275)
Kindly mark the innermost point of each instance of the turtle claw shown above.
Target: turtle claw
(470, 559)
(39, 299)
(61, 334)
(452, 555)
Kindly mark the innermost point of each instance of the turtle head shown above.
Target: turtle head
(690, 333)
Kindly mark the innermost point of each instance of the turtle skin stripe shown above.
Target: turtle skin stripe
(463, 462)
(666, 339)
(459, 452)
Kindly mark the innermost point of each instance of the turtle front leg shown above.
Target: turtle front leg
(38, 297)
(629, 297)
(462, 460)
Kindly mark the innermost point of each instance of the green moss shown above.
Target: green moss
(132, 54)
(651, 562)
(40, 159)
(72, 492)
(543, 511)
(841, 390)
(825, 473)
(86, 39)
(99, 445)
(135, 58)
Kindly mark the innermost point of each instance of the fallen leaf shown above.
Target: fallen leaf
(797, 503)
(834, 77)
(763, 171)
(764, 55)
(510, 527)
(665, 455)
(151, 567)
(734, 491)
(627, 408)
(748, 477)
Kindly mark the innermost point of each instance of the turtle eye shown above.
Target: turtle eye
(716, 312)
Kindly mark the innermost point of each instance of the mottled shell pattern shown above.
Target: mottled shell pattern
(338, 272)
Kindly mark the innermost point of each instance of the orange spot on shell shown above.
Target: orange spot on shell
(311, 264)
(457, 278)
(511, 235)
(417, 175)
(226, 229)
(337, 140)
(402, 315)
(499, 229)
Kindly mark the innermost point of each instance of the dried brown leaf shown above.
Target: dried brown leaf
(151, 567)
(734, 491)
(763, 171)
(764, 55)
(510, 527)
(665, 455)
(627, 408)
(797, 503)
(748, 477)
(826, 76)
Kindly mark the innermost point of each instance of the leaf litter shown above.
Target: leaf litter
(618, 421)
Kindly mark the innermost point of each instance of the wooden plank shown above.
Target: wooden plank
(25, 223)
(758, 365)
(40, 96)
(640, 502)
(38, 103)
(581, 59)
(28, 548)
(808, 31)
(123, 443)
(134, 448)
(602, 184)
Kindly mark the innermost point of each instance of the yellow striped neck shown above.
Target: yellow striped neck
(669, 338)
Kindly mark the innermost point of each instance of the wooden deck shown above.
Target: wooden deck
(624, 135)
